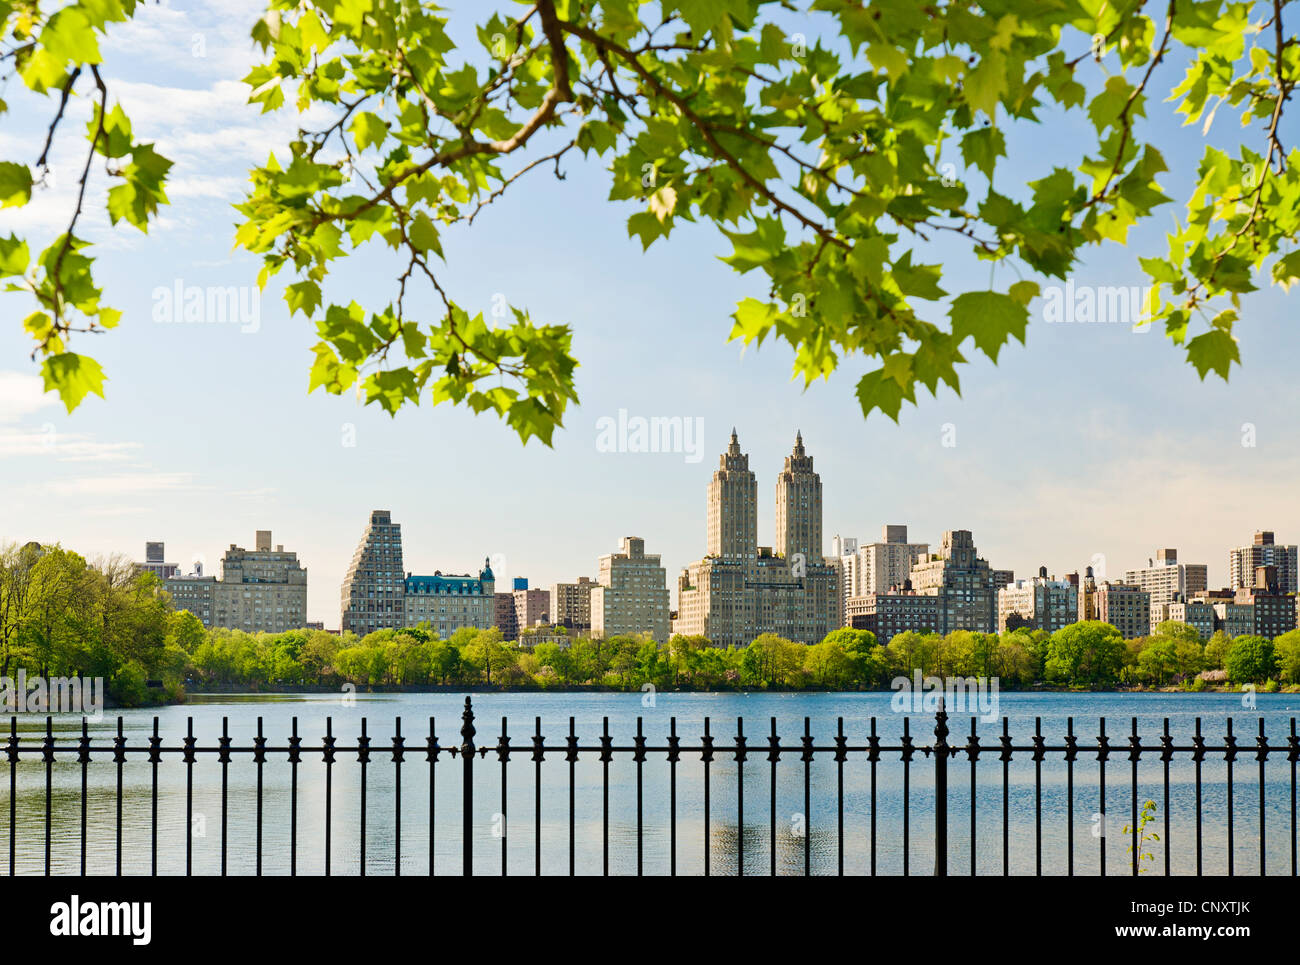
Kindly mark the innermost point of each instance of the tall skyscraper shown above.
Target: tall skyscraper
(374, 588)
(799, 507)
(733, 508)
(1244, 561)
(741, 590)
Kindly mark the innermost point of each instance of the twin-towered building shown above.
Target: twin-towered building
(741, 590)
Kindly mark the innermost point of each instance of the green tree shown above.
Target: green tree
(826, 158)
(1249, 660)
(1286, 652)
(1088, 653)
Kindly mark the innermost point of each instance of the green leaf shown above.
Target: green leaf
(15, 184)
(982, 147)
(1213, 351)
(73, 377)
(14, 256)
(369, 129)
(990, 318)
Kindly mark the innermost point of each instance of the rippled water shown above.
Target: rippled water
(517, 823)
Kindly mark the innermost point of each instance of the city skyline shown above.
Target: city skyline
(430, 560)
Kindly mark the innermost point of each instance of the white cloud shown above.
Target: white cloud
(125, 484)
(21, 394)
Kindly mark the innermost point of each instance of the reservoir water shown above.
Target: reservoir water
(517, 825)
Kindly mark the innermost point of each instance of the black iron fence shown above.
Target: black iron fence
(945, 756)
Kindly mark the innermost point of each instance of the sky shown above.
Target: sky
(1092, 444)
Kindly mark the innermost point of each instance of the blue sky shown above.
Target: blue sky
(1092, 439)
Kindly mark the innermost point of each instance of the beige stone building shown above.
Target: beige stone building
(571, 604)
(263, 590)
(1167, 580)
(1244, 562)
(375, 585)
(532, 606)
(964, 583)
(447, 602)
(1125, 607)
(741, 590)
(631, 594)
(1042, 603)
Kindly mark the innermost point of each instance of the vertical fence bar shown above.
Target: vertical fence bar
(189, 795)
(467, 751)
(1135, 844)
(399, 753)
(1198, 755)
(503, 754)
(606, 755)
(327, 754)
(673, 754)
(224, 757)
(1262, 756)
(538, 755)
(11, 750)
(1038, 796)
(707, 757)
(363, 758)
(973, 750)
(941, 791)
(1103, 752)
(48, 753)
(1230, 755)
(907, 793)
(773, 755)
(83, 756)
(807, 757)
(1166, 756)
(740, 797)
(295, 754)
(119, 758)
(873, 757)
(155, 757)
(841, 755)
(1005, 757)
(1071, 751)
(571, 757)
(259, 758)
(1293, 754)
(639, 757)
(431, 755)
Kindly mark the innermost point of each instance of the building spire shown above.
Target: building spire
(798, 443)
(734, 448)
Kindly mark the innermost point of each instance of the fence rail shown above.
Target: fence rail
(941, 755)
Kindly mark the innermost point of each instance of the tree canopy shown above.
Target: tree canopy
(819, 136)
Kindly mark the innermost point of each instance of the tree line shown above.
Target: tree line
(1089, 655)
(61, 615)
